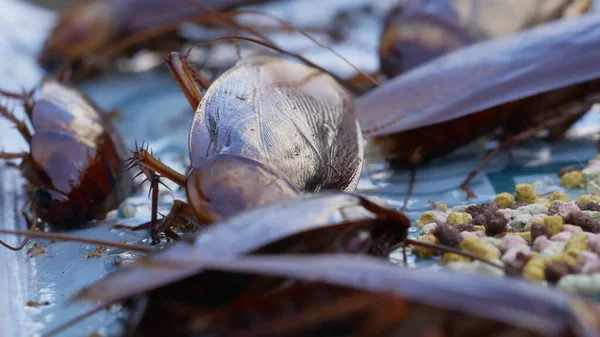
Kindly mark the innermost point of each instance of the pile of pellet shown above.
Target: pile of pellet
(544, 237)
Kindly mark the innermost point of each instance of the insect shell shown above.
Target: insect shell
(96, 28)
(535, 75)
(352, 289)
(421, 31)
(288, 116)
(322, 222)
(76, 158)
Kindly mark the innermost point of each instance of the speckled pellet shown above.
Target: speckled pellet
(457, 218)
(504, 199)
(479, 247)
(572, 179)
(560, 195)
(526, 193)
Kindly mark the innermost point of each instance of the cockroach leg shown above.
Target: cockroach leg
(77, 319)
(447, 249)
(411, 186)
(154, 181)
(21, 126)
(9, 155)
(180, 213)
(514, 140)
(143, 158)
(66, 237)
(186, 78)
(113, 114)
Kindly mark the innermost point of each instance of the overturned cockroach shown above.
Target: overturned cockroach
(364, 296)
(76, 159)
(105, 27)
(420, 31)
(322, 222)
(265, 130)
(541, 79)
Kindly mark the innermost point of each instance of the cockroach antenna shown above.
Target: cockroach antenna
(301, 58)
(66, 237)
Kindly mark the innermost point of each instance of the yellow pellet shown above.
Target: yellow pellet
(504, 199)
(479, 247)
(572, 179)
(458, 218)
(554, 224)
(576, 244)
(426, 218)
(544, 202)
(526, 192)
(426, 252)
(451, 257)
(479, 228)
(441, 207)
(525, 235)
(560, 195)
(534, 270)
(588, 198)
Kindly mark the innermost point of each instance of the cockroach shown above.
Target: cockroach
(363, 296)
(266, 130)
(108, 28)
(540, 79)
(420, 31)
(76, 159)
(331, 221)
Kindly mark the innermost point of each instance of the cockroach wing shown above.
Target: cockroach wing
(485, 75)
(239, 234)
(287, 115)
(532, 307)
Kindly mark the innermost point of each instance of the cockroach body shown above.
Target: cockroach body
(420, 31)
(525, 83)
(76, 159)
(265, 130)
(364, 296)
(108, 28)
(321, 222)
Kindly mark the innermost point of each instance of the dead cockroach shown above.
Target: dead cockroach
(75, 162)
(540, 79)
(420, 31)
(363, 296)
(321, 222)
(104, 29)
(265, 130)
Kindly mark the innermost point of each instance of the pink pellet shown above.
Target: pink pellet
(593, 162)
(478, 234)
(510, 257)
(591, 267)
(508, 213)
(572, 229)
(512, 241)
(440, 218)
(594, 243)
(585, 257)
(540, 243)
(562, 236)
(538, 218)
(566, 208)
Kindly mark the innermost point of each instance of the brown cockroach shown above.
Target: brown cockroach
(540, 79)
(423, 30)
(320, 222)
(266, 130)
(363, 296)
(75, 162)
(107, 28)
